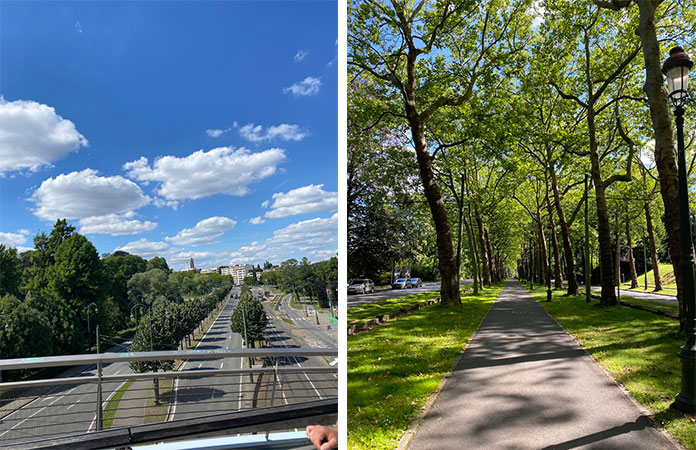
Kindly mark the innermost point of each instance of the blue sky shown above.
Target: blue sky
(177, 129)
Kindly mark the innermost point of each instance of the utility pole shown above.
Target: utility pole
(99, 387)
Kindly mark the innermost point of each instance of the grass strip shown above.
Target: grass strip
(369, 311)
(393, 369)
(112, 406)
(650, 304)
(669, 284)
(637, 347)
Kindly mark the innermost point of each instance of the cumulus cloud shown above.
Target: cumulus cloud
(115, 225)
(257, 220)
(306, 238)
(308, 86)
(302, 200)
(14, 239)
(223, 170)
(265, 204)
(32, 135)
(214, 133)
(284, 131)
(146, 249)
(83, 194)
(300, 55)
(205, 231)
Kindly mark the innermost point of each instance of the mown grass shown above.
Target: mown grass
(112, 406)
(669, 283)
(371, 310)
(393, 369)
(638, 348)
(650, 304)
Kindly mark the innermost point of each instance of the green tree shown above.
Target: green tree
(23, 331)
(10, 273)
(249, 318)
(118, 269)
(158, 263)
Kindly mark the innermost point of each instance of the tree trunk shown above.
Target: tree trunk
(558, 279)
(449, 284)
(665, 154)
(653, 249)
(491, 261)
(543, 255)
(631, 261)
(472, 255)
(565, 236)
(482, 247)
(608, 297)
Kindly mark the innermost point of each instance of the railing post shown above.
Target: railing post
(275, 378)
(99, 387)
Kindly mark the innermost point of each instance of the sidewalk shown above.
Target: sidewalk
(523, 383)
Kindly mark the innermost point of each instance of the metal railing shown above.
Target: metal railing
(104, 395)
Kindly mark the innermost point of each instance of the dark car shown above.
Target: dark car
(416, 282)
(402, 283)
(361, 286)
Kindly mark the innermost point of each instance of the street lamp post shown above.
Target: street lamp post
(548, 278)
(676, 68)
(89, 330)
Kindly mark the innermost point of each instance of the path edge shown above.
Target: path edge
(411, 431)
(642, 409)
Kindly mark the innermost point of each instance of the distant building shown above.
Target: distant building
(191, 267)
(226, 270)
(210, 270)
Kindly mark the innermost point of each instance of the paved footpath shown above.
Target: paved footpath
(523, 383)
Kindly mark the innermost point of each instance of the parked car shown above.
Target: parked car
(416, 282)
(402, 283)
(361, 286)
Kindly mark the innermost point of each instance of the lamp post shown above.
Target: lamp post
(89, 330)
(548, 278)
(676, 68)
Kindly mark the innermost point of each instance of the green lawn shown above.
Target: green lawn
(651, 304)
(112, 406)
(669, 284)
(393, 369)
(638, 348)
(371, 310)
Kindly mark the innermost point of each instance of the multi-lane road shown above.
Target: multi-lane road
(386, 294)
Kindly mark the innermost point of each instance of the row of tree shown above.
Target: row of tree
(304, 278)
(249, 318)
(472, 126)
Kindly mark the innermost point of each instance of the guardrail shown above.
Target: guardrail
(95, 401)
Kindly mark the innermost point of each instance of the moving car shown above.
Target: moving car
(361, 286)
(402, 283)
(416, 282)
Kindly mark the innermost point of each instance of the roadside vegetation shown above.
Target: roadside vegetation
(638, 348)
(369, 311)
(393, 369)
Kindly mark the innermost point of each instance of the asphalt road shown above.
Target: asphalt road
(194, 397)
(385, 294)
(64, 409)
(314, 335)
(298, 387)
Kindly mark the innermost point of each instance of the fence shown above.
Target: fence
(102, 393)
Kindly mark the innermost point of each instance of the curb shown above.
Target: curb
(411, 431)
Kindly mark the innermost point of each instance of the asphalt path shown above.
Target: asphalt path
(315, 335)
(386, 294)
(662, 298)
(62, 410)
(194, 397)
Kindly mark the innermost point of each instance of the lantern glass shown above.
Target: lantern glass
(677, 81)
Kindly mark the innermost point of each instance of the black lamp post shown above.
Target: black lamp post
(548, 278)
(676, 68)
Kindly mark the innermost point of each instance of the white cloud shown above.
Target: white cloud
(205, 231)
(223, 170)
(78, 27)
(14, 239)
(284, 131)
(257, 220)
(300, 55)
(265, 204)
(214, 133)
(308, 86)
(115, 225)
(83, 194)
(146, 249)
(302, 200)
(32, 135)
(160, 203)
(306, 238)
